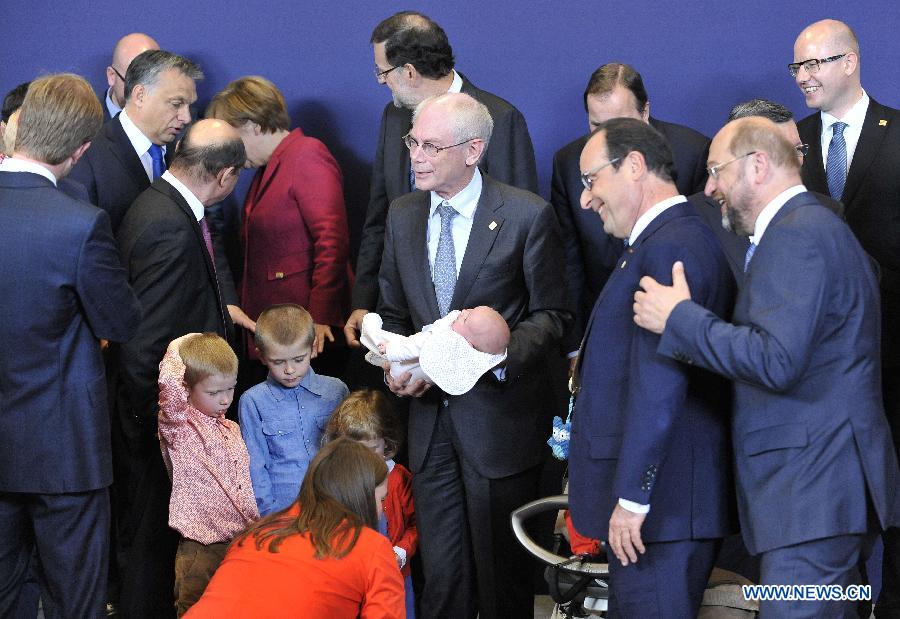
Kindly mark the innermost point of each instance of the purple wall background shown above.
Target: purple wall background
(697, 59)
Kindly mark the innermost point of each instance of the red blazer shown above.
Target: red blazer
(295, 235)
(400, 513)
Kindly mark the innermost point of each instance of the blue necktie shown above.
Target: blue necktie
(749, 256)
(412, 179)
(159, 164)
(445, 260)
(836, 167)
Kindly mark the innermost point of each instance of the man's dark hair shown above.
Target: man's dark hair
(13, 101)
(207, 160)
(605, 79)
(412, 38)
(775, 112)
(624, 135)
(147, 66)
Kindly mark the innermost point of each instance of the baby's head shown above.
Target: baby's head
(483, 328)
(284, 338)
(210, 373)
(368, 417)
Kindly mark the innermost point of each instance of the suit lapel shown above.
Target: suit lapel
(123, 150)
(812, 164)
(396, 155)
(415, 247)
(486, 225)
(870, 139)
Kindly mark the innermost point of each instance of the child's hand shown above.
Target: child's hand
(176, 343)
(382, 347)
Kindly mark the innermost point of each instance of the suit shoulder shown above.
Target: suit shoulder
(525, 202)
(682, 134)
(571, 151)
(497, 106)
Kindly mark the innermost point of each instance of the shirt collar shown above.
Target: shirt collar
(195, 204)
(652, 213)
(771, 209)
(140, 142)
(11, 164)
(456, 84)
(280, 392)
(853, 118)
(465, 202)
(111, 106)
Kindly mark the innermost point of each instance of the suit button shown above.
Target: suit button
(445, 403)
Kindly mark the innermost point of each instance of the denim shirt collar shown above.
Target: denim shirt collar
(280, 392)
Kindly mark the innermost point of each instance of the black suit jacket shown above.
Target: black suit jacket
(170, 270)
(509, 159)
(591, 253)
(511, 263)
(872, 191)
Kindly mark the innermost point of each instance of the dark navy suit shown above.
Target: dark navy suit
(591, 253)
(63, 289)
(651, 430)
(812, 445)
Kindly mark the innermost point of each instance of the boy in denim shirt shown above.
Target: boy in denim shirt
(282, 418)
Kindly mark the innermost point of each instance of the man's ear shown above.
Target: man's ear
(222, 178)
(110, 76)
(645, 113)
(474, 149)
(137, 95)
(79, 152)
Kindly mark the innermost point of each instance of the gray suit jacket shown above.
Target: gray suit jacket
(509, 158)
(512, 264)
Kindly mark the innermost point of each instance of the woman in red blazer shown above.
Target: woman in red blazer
(294, 227)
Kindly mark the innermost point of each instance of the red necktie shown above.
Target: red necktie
(204, 228)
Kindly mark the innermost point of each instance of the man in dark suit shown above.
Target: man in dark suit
(414, 59)
(126, 49)
(815, 468)
(856, 162)
(167, 250)
(468, 240)
(650, 460)
(614, 90)
(132, 149)
(64, 289)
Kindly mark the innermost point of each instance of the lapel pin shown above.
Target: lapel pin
(492, 225)
(882, 123)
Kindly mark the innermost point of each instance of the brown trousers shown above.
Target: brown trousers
(195, 564)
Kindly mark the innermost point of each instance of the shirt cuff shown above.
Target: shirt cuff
(402, 554)
(500, 373)
(572, 354)
(633, 507)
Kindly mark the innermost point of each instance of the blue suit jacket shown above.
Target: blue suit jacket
(646, 428)
(63, 289)
(809, 431)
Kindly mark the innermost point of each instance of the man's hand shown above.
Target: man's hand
(402, 385)
(354, 326)
(625, 534)
(241, 319)
(323, 332)
(653, 305)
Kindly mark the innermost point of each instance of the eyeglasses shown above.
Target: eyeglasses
(587, 178)
(812, 65)
(379, 74)
(121, 77)
(713, 171)
(803, 149)
(428, 148)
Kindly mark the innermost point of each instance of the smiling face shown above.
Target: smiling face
(730, 188)
(161, 111)
(213, 395)
(609, 195)
(287, 364)
(834, 87)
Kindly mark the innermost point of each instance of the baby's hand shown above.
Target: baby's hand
(382, 347)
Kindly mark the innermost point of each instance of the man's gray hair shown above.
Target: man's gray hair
(147, 66)
(471, 118)
(775, 112)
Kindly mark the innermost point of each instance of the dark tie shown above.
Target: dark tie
(749, 256)
(836, 166)
(207, 238)
(445, 260)
(412, 179)
(159, 163)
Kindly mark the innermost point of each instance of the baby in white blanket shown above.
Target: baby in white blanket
(452, 352)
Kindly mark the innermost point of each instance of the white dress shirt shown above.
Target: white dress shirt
(11, 164)
(140, 142)
(771, 209)
(854, 119)
(195, 204)
(111, 106)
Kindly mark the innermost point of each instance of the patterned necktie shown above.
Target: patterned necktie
(749, 256)
(836, 167)
(207, 238)
(412, 179)
(159, 164)
(445, 260)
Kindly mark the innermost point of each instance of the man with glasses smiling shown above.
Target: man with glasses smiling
(467, 240)
(854, 156)
(125, 51)
(413, 58)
